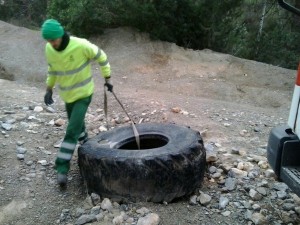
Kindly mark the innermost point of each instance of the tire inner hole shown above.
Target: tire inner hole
(147, 141)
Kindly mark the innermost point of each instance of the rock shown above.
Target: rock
(216, 175)
(95, 210)
(236, 173)
(79, 212)
(102, 129)
(262, 191)
(38, 109)
(296, 198)
(106, 204)
(230, 183)
(95, 198)
(269, 173)
(193, 200)
(281, 194)
(43, 162)
(211, 155)
(50, 109)
(258, 219)
(256, 207)
(226, 213)
(6, 126)
(204, 199)
(243, 133)
(176, 110)
(297, 210)
(212, 169)
(255, 195)
(21, 150)
(85, 219)
(234, 151)
(223, 202)
(118, 220)
(143, 211)
(20, 156)
(59, 122)
(150, 219)
(280, 186)
(263, 164)
(288, 206)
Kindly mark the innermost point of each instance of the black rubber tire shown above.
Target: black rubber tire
(170, 164)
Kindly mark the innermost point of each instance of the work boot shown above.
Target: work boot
(62, 179)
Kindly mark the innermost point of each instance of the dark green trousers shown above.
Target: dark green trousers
(75, 131)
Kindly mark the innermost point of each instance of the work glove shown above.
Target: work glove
(48, 98)
(108, 84)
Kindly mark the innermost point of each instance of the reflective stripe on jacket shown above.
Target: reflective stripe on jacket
(70, 69)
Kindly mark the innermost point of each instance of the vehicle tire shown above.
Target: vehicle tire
(170, 163)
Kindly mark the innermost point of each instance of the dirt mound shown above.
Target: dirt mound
(161, 65)
(233, 103)
(21, 53)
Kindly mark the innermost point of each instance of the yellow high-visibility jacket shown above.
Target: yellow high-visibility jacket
(70, 69)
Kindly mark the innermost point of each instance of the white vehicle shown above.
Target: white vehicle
(283, 149)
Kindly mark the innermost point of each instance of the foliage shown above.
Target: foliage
(252, 29)
(27, 12)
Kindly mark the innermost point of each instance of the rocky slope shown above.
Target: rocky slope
(232, 102)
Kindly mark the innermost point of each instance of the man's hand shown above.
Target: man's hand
(48, 97)
(108, 85)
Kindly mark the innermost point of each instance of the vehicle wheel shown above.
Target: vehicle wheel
(170, 164)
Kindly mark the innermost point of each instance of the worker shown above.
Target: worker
(69, 68)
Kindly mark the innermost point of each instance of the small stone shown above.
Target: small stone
(79, 212)
(226, 213)
(212, 169)
(85, 219)
(150, 219)
(176, 110)
(255, 195)
(95, 198)
(102, 129)
(6, 126)
(234, 151)
(95, 210)
(223, 202)
(20, 156)
(193, 200)
(281, 194)
(29, 163)
(50, 109)
(204, 199)
(43, 162)
(280, 186)
(288, 206)
(59, 122)
(21, 150)
(262, 191)
(258, 219)
(143, 211)
(256, 207)
(38, 109)
(230, 183)
(269, 173)
(106, 204)
(263, 164)
(234, 172)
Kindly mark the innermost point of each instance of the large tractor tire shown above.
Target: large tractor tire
(169, 164)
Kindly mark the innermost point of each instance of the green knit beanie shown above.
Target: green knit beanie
(52, 29)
